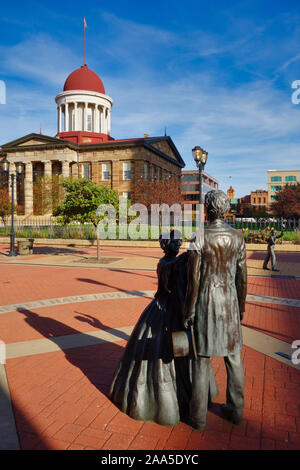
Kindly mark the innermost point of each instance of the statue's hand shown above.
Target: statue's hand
(188, 322)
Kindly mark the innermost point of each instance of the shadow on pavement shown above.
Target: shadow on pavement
(92, 281)
(51, 250)
(98, 368)
(29, 436)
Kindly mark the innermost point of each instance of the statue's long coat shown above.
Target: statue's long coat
(216, 293)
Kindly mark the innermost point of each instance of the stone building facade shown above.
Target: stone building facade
(118, 164)
(259, 200)
(83, 146)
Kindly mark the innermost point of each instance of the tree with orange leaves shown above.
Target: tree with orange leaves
(5, 204)
(287, 202)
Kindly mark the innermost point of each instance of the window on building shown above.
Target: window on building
(105, 171)
(152, 173)
(158, 174)
(275, 188)
(190, 177)
(275, 178)
(191, 197)
(273, 198)
(126, 170)
(290, 178)
(254, 200)
(86, 171)
(145, 170)
(259, 200)
(190, 187)
(89, 120)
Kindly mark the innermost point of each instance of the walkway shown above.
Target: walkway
(65, 325)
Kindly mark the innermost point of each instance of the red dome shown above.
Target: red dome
(84, 79)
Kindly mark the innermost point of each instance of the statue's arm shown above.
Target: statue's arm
(241, 278)
(163, 271)
(193, 279)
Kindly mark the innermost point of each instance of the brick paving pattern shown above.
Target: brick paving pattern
(60, 398)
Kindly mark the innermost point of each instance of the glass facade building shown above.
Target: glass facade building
(281, 178)
(190, 187)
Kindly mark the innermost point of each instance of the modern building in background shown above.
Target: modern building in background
(83, 146)
(190, 187)
(278, 179)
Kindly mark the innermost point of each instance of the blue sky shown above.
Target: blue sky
(216, 74)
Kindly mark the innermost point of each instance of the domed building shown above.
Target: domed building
(83, 108)
(84, 147)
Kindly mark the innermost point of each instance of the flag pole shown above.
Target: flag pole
(84, 41)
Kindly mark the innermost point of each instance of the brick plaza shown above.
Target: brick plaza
(65, 323)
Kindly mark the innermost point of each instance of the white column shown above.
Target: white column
(28, 188)
(48, 168)
(59, 118)
(85, 117)
(48, 175)
(65, 169)
(66, 117)
(103, 123)
(96, 127)
(75, 117)
(105, 120)
(94, 118)
(108, 121)
(100, 120)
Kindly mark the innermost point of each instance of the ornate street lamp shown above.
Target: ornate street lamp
(200, 157)
(19, 169)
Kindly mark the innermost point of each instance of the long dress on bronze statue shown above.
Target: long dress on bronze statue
(146, 381)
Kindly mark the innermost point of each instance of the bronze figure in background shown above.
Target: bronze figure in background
(271, 249)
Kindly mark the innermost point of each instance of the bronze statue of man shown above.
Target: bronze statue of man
(215, 303)
(271, 249)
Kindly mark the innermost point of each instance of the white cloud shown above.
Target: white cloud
(39, 58)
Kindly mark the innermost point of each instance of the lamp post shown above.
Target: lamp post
(19, 169)
(200, 157)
